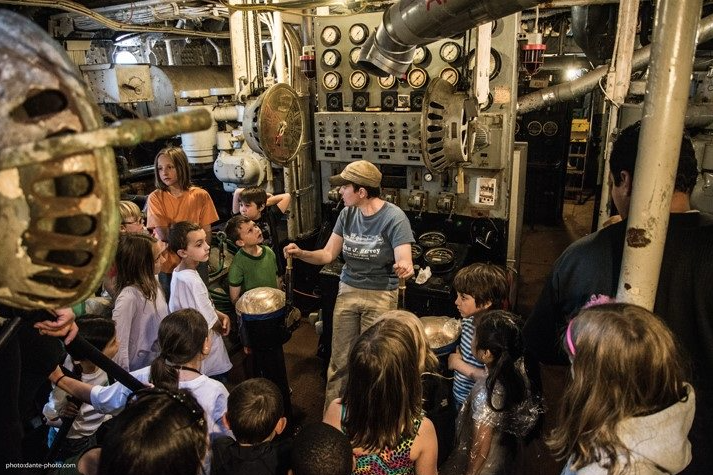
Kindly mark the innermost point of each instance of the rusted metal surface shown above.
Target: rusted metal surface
(637, 238)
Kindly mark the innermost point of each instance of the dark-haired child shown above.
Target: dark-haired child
(190, 243)
(255, 415)
(499, 410)
(320, 449)
(266, 210)
(101, 333)
(480, 287)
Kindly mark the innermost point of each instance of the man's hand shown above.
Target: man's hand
(63, 326)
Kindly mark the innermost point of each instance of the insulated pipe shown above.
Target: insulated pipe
(579, 87)
(618, 81)
(409, 23)
(278, 46)
(674, 43)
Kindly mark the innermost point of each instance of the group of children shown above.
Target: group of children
(628, 379)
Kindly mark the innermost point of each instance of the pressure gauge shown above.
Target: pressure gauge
(331, 80)
(495, 64)
(550, 128)
(354, 56)
(421, 55)
(387, 82)
(451, 75)
(450, 51)
(331, 35)
(358, 80)
(358, 33)
(417, 78)
(428, 177)
(331, 58)
(534, 128)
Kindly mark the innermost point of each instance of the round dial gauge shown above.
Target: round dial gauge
(354, 56)
(534, 128)
(331, 35)
(451, 75)
(428, 177)
(495, 64)
(358, 80)
(421, 55)
(450, 51)
(550, 128)
(331, 58)
(331, 80)
(417, 78)
(358, 33)
(387, 82)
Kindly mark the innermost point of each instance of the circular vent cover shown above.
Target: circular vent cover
(444, 128)
(59, 218)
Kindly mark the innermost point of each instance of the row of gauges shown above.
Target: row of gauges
(358, 80)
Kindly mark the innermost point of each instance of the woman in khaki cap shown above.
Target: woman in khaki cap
(375, 238)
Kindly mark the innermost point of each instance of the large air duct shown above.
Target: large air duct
(410, 23)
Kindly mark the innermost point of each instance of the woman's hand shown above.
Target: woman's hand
(293, 250)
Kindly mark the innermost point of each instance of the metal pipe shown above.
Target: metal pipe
(278, 46)
(618, 80)
(218, 51)
(674, 43)
(126, 133)
(573, 89)
(409, 23)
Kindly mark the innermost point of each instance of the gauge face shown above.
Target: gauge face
(330, 35)
(550, 128)
(450, 51)
(417, 78)
(421, 55)
(534, 128)
(360, 102)
(427, 177)
(451, 75)
(387, 82)
(354, 56)
(358, 80)
(358, 33)
(331, 80)
(495, 64)
(331, 58)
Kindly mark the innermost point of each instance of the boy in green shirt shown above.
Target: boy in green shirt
(255, 264)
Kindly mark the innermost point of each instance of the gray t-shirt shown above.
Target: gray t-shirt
(369, 243)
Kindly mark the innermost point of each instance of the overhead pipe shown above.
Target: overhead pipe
(579, 87)
(674, 44)
(618, 82)
(410, 23)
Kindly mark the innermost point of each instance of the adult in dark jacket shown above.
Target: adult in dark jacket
(684, 298)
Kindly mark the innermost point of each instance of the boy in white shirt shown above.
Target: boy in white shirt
(188, 241)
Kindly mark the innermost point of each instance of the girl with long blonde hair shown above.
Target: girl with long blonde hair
(628, 408)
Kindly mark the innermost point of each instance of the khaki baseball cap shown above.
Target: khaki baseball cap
(360, 172)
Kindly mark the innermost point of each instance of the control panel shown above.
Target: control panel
(379, 137)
